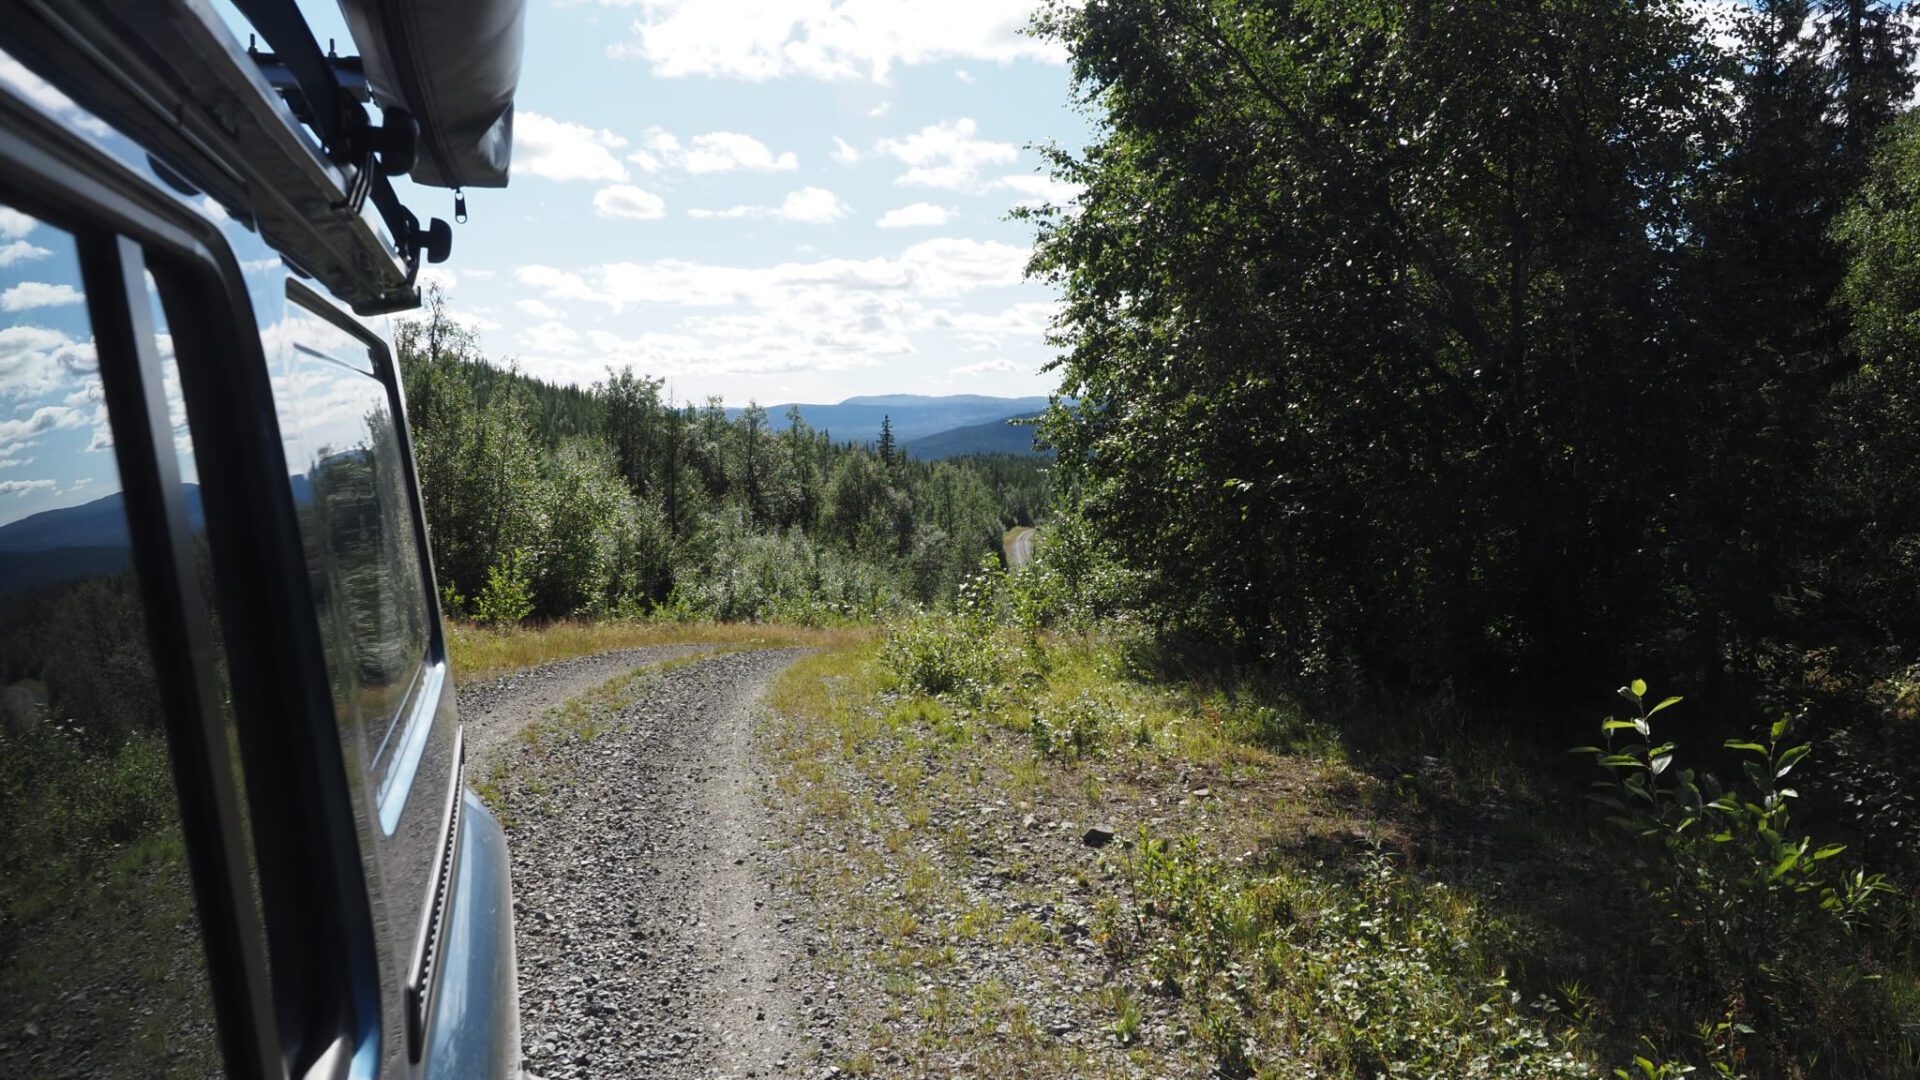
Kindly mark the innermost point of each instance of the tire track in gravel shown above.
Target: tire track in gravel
(648, 945)
(494, 710)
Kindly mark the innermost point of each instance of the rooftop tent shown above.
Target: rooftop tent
(454, 65)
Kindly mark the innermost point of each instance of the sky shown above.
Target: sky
(759, 200)
(771, 200)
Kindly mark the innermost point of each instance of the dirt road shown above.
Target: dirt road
(649, 942)
(1019, 546)
(494, 710)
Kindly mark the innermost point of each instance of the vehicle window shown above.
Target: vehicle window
(350, 485)
(102, 968)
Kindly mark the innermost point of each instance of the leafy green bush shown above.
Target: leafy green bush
(1751, 910)
(939, 655)
(508, 597)
(1079, 727)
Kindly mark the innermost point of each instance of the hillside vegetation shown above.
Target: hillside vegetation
(547, 501)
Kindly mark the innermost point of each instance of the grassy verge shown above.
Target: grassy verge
(481, 652)
(1272, 903)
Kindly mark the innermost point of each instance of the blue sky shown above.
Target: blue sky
(769, 199)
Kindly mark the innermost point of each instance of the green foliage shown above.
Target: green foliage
(1079, 727)
(1381, 321)
(939, 655)
(508, 596)
(1750, 909)
(1071, 582)
(1294, 973)
(614, 501)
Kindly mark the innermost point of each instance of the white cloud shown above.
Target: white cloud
(38, 294)
(987, 367)
(990, 332)
(964, 75)
(713, 152)
(20, 251)
(820, 315)
(918, 215)
(725, 151)
(559, 150)
(36, 361)
(845, 152)
(24, 487)
(828, 39)
(44, 419)
(880, 110)
(807, 206)
(627, 201)
(42, 93)
(13, 223)
(947, 155)
(813, 206)
(552, 338)
(950, 266)
(539, 309)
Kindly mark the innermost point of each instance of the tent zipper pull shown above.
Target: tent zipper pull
(459, 206)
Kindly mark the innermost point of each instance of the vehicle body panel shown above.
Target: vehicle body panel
(393, 750)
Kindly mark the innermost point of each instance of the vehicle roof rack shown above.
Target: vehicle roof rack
(172, 77)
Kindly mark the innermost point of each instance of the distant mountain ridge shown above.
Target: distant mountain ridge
(1002, 436)
(912, 416)
(71, 542)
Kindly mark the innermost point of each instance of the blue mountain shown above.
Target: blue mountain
(88, 540)
(913, 416)
(1002, 436)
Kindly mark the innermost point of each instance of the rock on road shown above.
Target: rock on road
(648, 945)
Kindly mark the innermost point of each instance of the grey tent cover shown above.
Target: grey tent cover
(454, 64)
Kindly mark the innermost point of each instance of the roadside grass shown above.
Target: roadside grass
(1280, 898)
(482, 652)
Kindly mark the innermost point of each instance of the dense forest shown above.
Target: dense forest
(550, 501)
(1490, 347)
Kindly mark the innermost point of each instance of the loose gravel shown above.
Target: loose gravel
(651, 942)
(493, 711)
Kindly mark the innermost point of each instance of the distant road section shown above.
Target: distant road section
(1019, 546)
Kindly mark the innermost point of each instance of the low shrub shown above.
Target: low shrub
(1295, 973)
(941, 655)
(1079, 727)
(1758, 926)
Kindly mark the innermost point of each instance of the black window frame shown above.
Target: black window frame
(319, 1002)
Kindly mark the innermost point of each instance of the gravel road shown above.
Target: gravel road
(492, 711)
(1019, 546)
(649, 942)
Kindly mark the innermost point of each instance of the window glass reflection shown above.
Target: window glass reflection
(357, 522)
(102, 968)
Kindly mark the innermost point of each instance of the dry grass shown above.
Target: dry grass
(482, 652)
